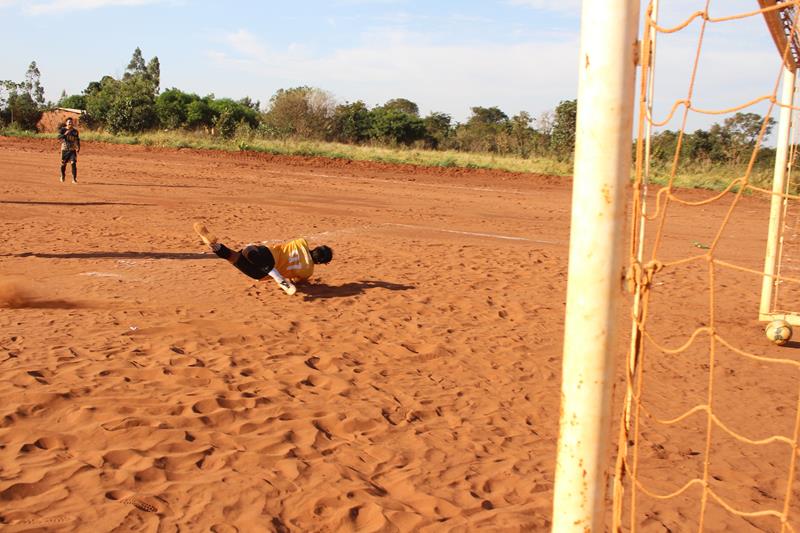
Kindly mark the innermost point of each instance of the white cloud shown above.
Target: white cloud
(59, 6)
(570, 6)
(738, 63)
(367, 2)
(247, 44)
(391, 63)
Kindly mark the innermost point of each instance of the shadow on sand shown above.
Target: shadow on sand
(40, 303)
(151, 185)
(314, 291)
(115, 255)
(27, 202)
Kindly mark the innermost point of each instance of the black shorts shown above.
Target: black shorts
(256, 261)
(69, 155)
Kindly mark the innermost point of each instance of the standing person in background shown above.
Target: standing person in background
(70, 146)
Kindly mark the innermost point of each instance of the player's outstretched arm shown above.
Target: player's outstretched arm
(285, 285)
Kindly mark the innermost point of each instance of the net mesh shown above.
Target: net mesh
(711, 451)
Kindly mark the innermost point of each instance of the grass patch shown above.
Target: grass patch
(425, 158)
(715, 178)
(25, 134)
(689, 176)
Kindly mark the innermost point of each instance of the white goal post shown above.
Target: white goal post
(607, 68)
(780, 24)
(608, 53)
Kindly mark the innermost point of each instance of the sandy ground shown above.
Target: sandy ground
(146, 385)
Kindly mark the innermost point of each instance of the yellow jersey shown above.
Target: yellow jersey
(293, 259)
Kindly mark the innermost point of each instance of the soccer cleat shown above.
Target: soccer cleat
(74, 180)
(62, 179)
(207, 237)
(287, 287)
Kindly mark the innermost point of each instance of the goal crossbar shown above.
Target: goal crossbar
(780, 23)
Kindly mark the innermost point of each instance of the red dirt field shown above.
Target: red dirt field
(146, 385)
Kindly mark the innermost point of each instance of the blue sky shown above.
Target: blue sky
(445, 55)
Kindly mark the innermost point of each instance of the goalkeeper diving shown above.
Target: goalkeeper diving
(286, 263)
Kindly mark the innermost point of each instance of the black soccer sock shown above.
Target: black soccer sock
(74, 171)
(63, 170)
(223, 251)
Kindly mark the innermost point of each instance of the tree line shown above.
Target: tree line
(135, 103)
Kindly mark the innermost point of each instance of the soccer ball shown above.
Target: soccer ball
(779, 332)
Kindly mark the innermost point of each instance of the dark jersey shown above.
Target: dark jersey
(70, 140)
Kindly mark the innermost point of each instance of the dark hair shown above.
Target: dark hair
(322, 254)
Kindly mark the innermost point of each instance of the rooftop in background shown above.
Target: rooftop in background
(69, 109)
(53, 119)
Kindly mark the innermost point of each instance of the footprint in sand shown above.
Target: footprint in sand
(45, 443)
(39, 376)
(40, 522)
(148, 504)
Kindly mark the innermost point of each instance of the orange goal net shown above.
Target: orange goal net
(710, 421)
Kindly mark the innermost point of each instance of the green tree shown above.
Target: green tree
(128, 104)
(32, 84)
(153, 73)
(746, 127)
(351, 122)
(248, 102)
(663, 144)
(701, 147)
(229, 114)
(136, 66)
(438, 129)
(199, 113)
(522, 134)
(304, 112)
(149, 72)
(542, 131)
(133, 107)
(403, 105)
(487, 116)
(22, 102)
(544, 123)
(562, 139)
(100, 96)
(94, 86)
(20, 108)
(742, 131)
(392, 126)
(74, 101)
(5, 92)
(172, 108)
(484, 130)
(719, 141)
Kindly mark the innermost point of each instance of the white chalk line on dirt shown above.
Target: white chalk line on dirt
(472, 233)
(396, 182)
(357, 229)
(367, 227)
(100, 274)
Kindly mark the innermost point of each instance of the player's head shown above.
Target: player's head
(69, 122)
(321, 255)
